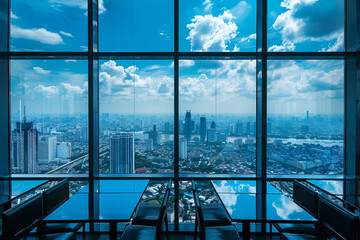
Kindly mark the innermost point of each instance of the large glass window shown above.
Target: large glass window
(136, 116)
(305, 124)
(49, 121)
(217, 26)
(305, 26)
(217, 116)
(48, 25)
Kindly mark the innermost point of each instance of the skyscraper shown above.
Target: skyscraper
(202, 129)
(46, 149)
(167, 127)
(63, 150)
(182, 148)
(155, 136)
(187, 125)
(211, 132)
(122, 153)
(84, 134)
(248, 128)
(24, 146)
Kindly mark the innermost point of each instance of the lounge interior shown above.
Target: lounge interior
(178, 119)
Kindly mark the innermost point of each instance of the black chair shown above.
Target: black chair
(139, 232)
(147, 213)
(336, 222)
(214, 233)
(214, 214)
(52, 199)
(17, 222)
(308, 200)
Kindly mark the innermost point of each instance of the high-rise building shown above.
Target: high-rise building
(46, 149)
(122, 153)
(211, 132)
(63, 150)
(149, 145)
(239, 128)
(182, 148)
(155, 136)
(24, 146)
(167, 127)
(84, 134)
(202, 129)
(248, 130)
(187, 125)
(221, 137)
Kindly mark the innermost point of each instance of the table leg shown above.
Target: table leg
(246, 230)
(113, 230)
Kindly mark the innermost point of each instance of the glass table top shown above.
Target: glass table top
(116, 200)
(239, 198)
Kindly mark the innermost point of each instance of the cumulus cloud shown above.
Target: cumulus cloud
(310, 20)
(36, 34)
(41, 70)
(66, 34)
(285, 47)
(338, 45)
(70, 89)
(47, 92)
(210, 33)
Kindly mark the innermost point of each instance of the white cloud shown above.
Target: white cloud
(209, 33)
(285, 208)
(84, 48)
(41, 70)
(13, 16)
(70, 89)
(241, 11)
(249, 38)
(82, 4)
(66, 34)
(306, 20)
(285, 47)
(47, 92)
(338, 45)
(36, 34)
(207, 5)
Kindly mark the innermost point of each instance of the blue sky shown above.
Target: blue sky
(205, 25)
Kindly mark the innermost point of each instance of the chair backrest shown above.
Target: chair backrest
(306, 198)
(21, 219)
(55, 196)
(199, 214)
(338, 219)
(162, 215)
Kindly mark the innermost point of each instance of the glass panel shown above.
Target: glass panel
(305, 117)
(49, 120)
(305, 26)
(217, 116)
(136, 26)
(217, 26)
(48, 25)
(136, 116)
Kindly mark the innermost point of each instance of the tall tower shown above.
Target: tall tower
(187, 125)
(24, 145)
(202, 129)
(122, 154)
(182, 148)
(211, 132)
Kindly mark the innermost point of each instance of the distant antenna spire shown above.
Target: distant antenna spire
(24, 114)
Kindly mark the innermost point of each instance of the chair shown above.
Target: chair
(214, 214)
(147, 214)
(18, 221)
(139, 232)
(214, 233)
(308, 200)
(334, 220)
(52, 199)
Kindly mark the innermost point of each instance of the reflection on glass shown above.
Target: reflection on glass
(136, 26)
(305, 26)
(217, 116)
(217, 26)
(136, 116)
(331, 186)
(49, 129)
(305, 123)
(283, 208)
(48, 25)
